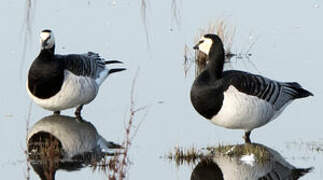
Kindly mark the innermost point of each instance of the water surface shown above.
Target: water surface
(287, 47)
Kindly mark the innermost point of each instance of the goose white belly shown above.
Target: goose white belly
(242, 111)
(75, 90)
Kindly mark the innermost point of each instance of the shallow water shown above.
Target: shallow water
(287, 47)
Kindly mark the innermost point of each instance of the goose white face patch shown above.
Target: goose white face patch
(47, 37)
(205, 45)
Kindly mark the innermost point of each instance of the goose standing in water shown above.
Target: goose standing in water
(58, 82)
(236, 99)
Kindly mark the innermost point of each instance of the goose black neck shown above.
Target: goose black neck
(216, 61)
(47, 52)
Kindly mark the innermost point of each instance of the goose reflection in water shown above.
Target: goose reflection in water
(61, 142)
(245, 162)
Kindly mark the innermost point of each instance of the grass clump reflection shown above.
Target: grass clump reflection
(261, 153)
(45, 152)
(181, 155)
(192, 155)
(241, 161)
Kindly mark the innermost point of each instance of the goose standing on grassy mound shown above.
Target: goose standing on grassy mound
(58, 82)
(236, 99)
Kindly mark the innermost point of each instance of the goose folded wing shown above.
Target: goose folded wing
(274, 92)
(89, 64)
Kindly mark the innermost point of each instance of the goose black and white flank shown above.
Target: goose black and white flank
(236, 99)
(57, 82)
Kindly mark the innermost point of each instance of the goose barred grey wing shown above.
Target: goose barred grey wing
(274, 92)
(89, 64)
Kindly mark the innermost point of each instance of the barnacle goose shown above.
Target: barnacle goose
(236, 99)
(57, 82)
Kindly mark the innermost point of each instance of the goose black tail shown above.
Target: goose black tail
(112, 62)
(116, 70)
(299, 172)
(113, 70)
(297, 91)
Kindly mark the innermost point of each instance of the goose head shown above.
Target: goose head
(47, 39)
(208, 42)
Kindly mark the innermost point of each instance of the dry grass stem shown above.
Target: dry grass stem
(27, 130)
(187, 59)
(226, 32)
(176, 15)
(27, 32)
(143, 10)
(118, 165)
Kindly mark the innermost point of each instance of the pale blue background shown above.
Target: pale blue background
(288, 48)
